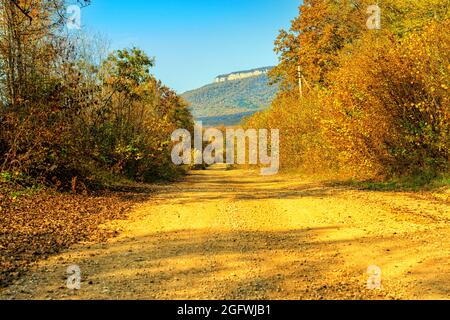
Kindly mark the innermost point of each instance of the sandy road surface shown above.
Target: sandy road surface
(236, 235)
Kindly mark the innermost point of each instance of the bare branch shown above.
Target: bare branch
(24, 11)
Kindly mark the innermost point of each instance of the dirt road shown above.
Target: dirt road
(236, 235)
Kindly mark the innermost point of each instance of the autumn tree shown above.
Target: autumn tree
(377, 100)
(65, 113)
(325, 28)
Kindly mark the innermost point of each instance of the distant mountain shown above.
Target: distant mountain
(232, 97)
(242, 74)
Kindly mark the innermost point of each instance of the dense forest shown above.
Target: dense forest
(228, 120)
(375, 103)
(68, 111)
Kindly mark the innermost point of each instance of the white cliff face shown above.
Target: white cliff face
(241, 75)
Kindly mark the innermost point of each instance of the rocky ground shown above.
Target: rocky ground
(236, 235)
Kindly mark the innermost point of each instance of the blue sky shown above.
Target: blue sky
(194, 40)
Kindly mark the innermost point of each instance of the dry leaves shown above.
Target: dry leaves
(33, 227)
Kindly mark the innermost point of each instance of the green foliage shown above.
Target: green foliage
(428, 181)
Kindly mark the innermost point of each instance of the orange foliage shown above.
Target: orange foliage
(378, 102)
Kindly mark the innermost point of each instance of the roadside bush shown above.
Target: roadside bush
(376, 102)
(390, 104)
